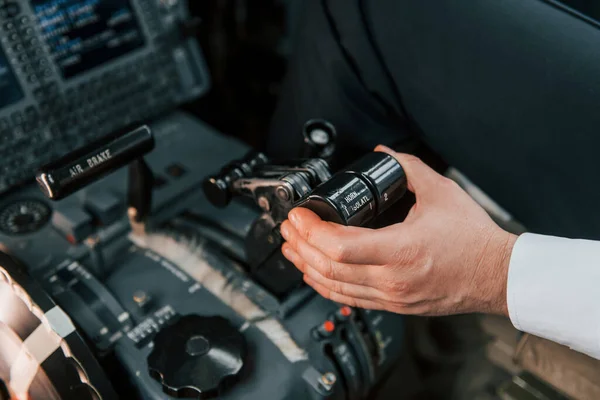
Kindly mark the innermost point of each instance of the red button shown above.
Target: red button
(328, 326)
(345, 311)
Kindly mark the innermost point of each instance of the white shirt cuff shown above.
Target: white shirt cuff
(554, 290)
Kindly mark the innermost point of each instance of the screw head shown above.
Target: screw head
(139, 296)
(327, 380)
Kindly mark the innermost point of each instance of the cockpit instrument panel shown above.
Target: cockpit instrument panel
(72, 71)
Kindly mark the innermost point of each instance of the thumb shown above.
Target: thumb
(420, 177)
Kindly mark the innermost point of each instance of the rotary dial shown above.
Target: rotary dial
(24, 216)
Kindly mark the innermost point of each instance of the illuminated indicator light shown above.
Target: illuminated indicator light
(328, 326)
(345, 311)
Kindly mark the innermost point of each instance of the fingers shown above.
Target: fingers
(342, 244)
(345, 288)
(372, 303)
(419, 175)
(343, 299)
(300, 253)
(421, 308)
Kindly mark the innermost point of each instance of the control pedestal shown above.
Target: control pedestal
(156, 309)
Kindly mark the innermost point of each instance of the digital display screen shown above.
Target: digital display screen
(10, 90)
(83, 34)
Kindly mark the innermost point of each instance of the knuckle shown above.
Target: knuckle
(306, 233)
(449, 184)
(302, 266)
(346, 300)
(352, 302)
(330, 270)
(312, 234)
(336, 297)
(396, 287)
(411, 159)
(325, 293)
(338, 287)
(339, 252)
(292, 240)
(325, 267)
(411, 162)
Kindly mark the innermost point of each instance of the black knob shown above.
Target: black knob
(319, 139)
(219, 188)
(197, 356)
(218, 192)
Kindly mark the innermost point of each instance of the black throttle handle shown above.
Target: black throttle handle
(358, 194)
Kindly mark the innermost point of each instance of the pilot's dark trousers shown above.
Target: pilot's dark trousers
(506, 91)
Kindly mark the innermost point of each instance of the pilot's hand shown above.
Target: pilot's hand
(447, 257)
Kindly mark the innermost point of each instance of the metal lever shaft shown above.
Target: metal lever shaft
(139, 196)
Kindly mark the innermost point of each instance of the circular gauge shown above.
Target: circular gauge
(24, 216)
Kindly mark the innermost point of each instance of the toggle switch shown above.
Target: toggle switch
(343, 314)
(325, 330)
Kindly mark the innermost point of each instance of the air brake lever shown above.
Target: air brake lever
(82, 167)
